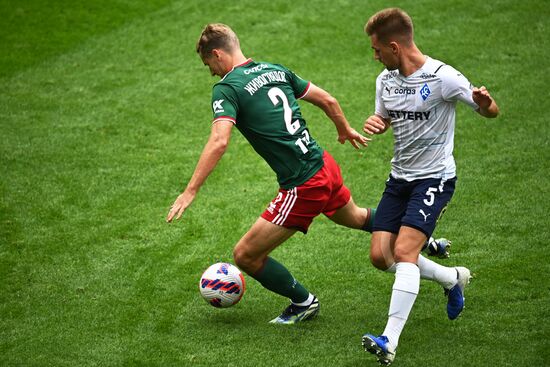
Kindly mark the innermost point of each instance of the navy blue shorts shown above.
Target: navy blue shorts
(418, 204)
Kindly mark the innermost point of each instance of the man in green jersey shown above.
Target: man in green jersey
(260, 100)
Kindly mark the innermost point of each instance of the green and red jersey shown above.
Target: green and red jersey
(261, 100)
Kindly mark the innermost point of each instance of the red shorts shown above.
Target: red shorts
(325, 193)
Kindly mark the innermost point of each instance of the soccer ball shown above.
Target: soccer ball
(222, 285)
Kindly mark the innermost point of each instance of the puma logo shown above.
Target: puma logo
(421, 211)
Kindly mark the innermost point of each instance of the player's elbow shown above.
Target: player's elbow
(219, 143)
(329, 105)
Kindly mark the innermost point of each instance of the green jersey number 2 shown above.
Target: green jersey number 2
(274, 95)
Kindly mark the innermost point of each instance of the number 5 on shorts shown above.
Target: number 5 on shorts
(431, 196)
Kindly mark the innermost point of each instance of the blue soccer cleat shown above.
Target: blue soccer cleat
(380, 347)
(440, 247)
(455, 295)
(293, 314)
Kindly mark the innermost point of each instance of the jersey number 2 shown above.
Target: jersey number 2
(274, 95)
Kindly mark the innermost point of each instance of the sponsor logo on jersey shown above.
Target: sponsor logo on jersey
(217, 106)
(409, 115)
(255, 69)
(427, 76)
(389, 75)
(263, 79)
(404, 91)
(388, 89)
(425, 91)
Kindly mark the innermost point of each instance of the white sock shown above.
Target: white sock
(433, 271)
(405, 289)
(307, 302)
(393, 330)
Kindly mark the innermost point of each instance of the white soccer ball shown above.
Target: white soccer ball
(222, 285)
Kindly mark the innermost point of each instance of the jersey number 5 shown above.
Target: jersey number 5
(431, 196)
(275, 94)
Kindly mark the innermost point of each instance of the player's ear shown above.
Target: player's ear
(216, 53)
(394, 47)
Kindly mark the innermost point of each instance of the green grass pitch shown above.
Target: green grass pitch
(104, 109)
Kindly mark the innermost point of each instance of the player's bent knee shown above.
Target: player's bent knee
(240, 257)
(406, 255)
(378, 261)
(244, 260)
(381, 255)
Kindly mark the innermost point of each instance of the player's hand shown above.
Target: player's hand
(354, 138)
(375, 125)
(482, 97)
(182, 202)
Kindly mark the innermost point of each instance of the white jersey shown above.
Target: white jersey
(421, 108)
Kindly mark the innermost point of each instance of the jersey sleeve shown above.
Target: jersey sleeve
(456, 87)
(224, 103)
(299, 85)
(379, 108)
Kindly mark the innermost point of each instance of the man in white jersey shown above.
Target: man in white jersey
(416, 95)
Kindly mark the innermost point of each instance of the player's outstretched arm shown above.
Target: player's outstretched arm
(376, 125)
(486, 103)
(322, 99)
(210, 156)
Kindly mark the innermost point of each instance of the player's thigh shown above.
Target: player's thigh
(427, 204)
(408, 244)
(339, 205)
(295, 208)
(350, 215)
(392, 207)
(262, 238)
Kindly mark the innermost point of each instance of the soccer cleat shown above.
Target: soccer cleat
(439, 247)
(293, 314)
(455, 295)
(380, 347)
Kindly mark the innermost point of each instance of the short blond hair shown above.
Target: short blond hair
(391, 24)
(217, 36)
